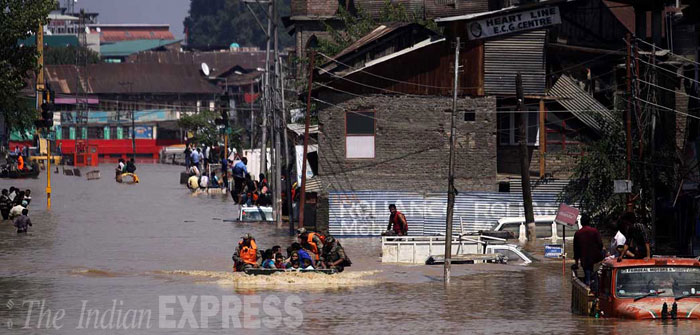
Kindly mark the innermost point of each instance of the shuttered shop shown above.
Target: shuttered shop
(505, 56)
(366, 213)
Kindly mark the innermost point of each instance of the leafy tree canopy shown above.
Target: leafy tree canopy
(218, 23)
(66, 55)
(19, 19)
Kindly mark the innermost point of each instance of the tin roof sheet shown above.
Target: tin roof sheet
(583, 106)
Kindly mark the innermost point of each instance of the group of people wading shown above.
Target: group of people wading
(313, 251)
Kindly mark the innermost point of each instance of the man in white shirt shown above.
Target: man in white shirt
(17, 210)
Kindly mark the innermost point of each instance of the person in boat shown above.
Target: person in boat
(5, 204)
(20, 163)
(398, 226)
(17, 210)
(130, 166)
(308, 264)
(293, 257)
(28, 196)
(295, 265)
(268, 260)
(22, 222)
(279, 261)
(300, 253)
(121, 167)
(250, 193)
(637, 238)
(311, 241)
(247, 255)
(334, 256)
(193, 182)
(588, 248)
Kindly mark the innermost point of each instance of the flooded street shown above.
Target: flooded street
(105, 243)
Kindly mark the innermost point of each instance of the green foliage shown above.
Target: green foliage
(604, 161)
(218, 23)
(359, 23)
(66, 55)
(202, 125)
(19, 19)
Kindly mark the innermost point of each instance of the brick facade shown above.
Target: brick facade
(559, 165)
(314, 7)
(411, 145)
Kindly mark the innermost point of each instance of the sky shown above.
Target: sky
(172, 12)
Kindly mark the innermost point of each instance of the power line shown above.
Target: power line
(669, 51)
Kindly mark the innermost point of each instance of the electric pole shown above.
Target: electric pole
(307, 120)
(451, 172)
(277, 198)
(40, 88)
(525, 160)
(628, 118)
(266, 92)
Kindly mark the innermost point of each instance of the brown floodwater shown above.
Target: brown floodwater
(127, 248)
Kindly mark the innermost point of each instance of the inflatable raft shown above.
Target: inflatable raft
(127, 178)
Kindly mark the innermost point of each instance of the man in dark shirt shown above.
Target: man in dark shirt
(588, 248)
(23, 222)
(637, 237)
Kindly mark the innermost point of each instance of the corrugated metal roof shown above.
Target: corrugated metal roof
(366, 213)
(299, 128)
(579, 103)
(109, 78)
(505, 56)
(52, 40)
(219, 62)
(555, 186)
(376, 34)
(125, 48)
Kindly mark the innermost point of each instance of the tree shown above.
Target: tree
(604, 161)
(215, 24)
(358, 23)
(19, 19)
(66, 55)
(202, 125)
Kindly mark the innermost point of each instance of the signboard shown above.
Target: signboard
(623, 186)
(513, 22)
(553, 250)
(566, 215)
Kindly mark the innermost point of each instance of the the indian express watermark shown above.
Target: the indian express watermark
(173, 312)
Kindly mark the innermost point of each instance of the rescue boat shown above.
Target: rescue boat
(657, 288)
(127, 178)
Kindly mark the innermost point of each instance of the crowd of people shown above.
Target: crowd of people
(14, 205)
(17, 160)
(630, 241)
(312, 251)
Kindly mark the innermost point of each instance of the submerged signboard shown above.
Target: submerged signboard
(514, 22)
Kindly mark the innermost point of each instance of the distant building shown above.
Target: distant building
(128, 32)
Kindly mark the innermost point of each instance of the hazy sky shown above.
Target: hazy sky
(172, 12)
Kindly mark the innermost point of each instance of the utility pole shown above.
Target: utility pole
(307, 120)
(278, 166)
(288, 180)
(525, 160)
(451, 172)
(628, 118)
(40, 88)
(266, 92)
(543, 139)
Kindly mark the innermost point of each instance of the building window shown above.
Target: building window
(65, 133)
(509, 131)
(561, 136)
(95, 133)
(469, 116)
(359, 134)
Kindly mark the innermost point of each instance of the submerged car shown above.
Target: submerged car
(255, 214)
(658, 288)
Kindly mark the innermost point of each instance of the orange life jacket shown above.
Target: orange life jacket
(249, 255)
(312, 245)
(20, 163)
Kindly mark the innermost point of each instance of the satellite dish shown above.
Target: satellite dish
(98, 29)
(205, 69)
